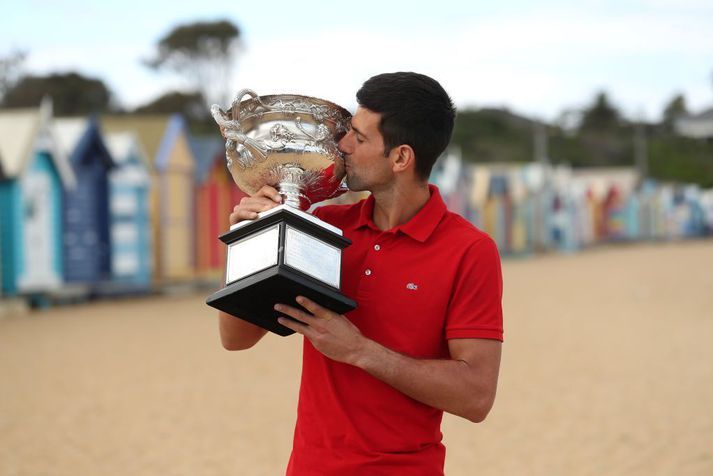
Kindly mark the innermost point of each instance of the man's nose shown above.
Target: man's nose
(342, 145)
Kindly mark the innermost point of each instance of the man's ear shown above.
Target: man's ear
(403, 158)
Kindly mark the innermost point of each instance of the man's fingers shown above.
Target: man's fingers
(265, 199)
(312, 306)
(271, 193)
(295, 326)
(296, 313)
(250, 207)
(257, 204)
(246, 214)
(241, 215)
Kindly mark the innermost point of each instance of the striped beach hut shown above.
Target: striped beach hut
(130, 226)
(171, 166)
(33, 177)
(86, 244)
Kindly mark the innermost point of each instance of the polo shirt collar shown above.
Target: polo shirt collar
(420, 227)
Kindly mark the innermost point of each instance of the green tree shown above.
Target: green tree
(675, 108)
(189, 104)
(493, 135)
(203, 54)
(601, 115)
(680, 159)
(72, 94)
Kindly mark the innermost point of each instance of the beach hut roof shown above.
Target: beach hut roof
(22, 131)
(68, 132)
(74, 134)
(150, 131)
(206, 150)
(175, 127)
(157, 134)
(124, 145)
(17, 130)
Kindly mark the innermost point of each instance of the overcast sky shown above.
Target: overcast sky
(537, 58)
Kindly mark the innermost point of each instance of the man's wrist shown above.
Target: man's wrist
(367, 354)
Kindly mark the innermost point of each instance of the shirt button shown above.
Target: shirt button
(367, 272)
(377, 247)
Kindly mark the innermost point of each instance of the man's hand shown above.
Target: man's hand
(265, 199)
(464, 384)
(330, 333)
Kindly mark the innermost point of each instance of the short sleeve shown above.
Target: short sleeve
(475, 307)
(318, 212)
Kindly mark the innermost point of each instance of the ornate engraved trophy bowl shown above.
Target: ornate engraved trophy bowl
(286, 141)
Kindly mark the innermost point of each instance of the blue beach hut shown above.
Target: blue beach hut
(171, 197)
(86, 244)
(130, 223)
(33, 177)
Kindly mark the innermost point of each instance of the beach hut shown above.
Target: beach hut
(632, 222)
(499, 209)
(171, 166)
(707, 207)
(609, 189)
(478, 196)
(86, 243)
(130, 226)
(521, 229)
(216, 195)
(34, 175)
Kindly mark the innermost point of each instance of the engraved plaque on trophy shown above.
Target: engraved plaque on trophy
(288, 142)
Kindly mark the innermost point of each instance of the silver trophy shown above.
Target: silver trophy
(288, 142)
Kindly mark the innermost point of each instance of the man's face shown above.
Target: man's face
(363, 148)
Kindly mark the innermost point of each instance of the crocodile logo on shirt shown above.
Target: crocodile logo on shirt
(412, 286)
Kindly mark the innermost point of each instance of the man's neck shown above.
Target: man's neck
(397, 205)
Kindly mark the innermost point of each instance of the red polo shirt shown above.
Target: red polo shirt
(435, 278)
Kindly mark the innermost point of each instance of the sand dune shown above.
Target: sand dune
(607, 370)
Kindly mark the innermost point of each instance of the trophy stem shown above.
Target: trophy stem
(290, 187)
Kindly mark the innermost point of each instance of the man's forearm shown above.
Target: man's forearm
(237, 334)
(463, 385)
(448, 384)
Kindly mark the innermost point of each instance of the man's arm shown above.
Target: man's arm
(464, 385)
(236, 334)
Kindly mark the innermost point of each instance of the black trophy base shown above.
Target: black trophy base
(252, 298)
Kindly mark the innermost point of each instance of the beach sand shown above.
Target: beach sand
(607, 370)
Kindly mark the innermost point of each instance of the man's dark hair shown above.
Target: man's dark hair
(415, 110)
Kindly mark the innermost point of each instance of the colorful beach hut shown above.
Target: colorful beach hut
(130, 225)
(86, 244)
(33, 177)
(216, 195)
(171, 166)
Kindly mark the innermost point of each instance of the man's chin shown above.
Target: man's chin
(354, 185)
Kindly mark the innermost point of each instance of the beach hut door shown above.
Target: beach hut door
(38, 237)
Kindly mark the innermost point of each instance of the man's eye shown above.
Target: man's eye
(359, 140)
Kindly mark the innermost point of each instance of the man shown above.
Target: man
(426, 337)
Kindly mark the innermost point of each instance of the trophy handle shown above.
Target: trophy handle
(235, 107)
